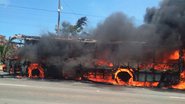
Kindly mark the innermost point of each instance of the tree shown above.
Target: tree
(66, 28)
(73, 30)
(1, 51)
(6, 51)
(80, 24)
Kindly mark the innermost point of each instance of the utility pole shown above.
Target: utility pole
(58, 22)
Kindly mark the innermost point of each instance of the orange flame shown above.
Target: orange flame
(181, 84)
(131, 82)
(175, 55)
(100, 78)
(104, 63)
(117, 81)
(156, 66)
(35, 66)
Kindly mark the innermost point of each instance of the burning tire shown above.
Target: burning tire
(35, 71)
(123, 76)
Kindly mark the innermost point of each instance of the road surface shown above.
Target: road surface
(26, 91)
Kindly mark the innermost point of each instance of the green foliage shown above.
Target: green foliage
(5, 51)
(2, 47)
(80, 24)
(69, 29)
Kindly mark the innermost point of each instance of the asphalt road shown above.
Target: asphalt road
(25, 91)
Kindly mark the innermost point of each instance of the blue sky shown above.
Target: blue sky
(24, 16)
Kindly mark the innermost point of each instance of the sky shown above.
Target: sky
(34, 17)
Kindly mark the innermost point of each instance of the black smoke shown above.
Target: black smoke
(169, 21)
(162, 33)
(54, 50)
(116, 27)
(118, 39)
(117, 36)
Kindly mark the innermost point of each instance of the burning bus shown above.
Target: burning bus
(87, 59)
(150, 55)
(154, 71)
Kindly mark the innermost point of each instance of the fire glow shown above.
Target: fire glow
(124, 76)
(181, 84)
(34, 67)
(104, 62)
(175, 55)
(119, 75)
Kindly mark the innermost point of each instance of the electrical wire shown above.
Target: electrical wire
(52, 11)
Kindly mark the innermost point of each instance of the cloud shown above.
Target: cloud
(4, 2)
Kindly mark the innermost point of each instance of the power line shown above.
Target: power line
(68, 5)
(22, 24)
(81, 14)
(30, 8)
(52, 11)
(44, 10)
(75, 13)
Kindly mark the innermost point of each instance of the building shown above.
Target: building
(2, 40)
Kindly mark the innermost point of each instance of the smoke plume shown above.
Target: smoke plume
(162, 33)
(119, 33)
(53, 50)
(169, 21)
(118, 40)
